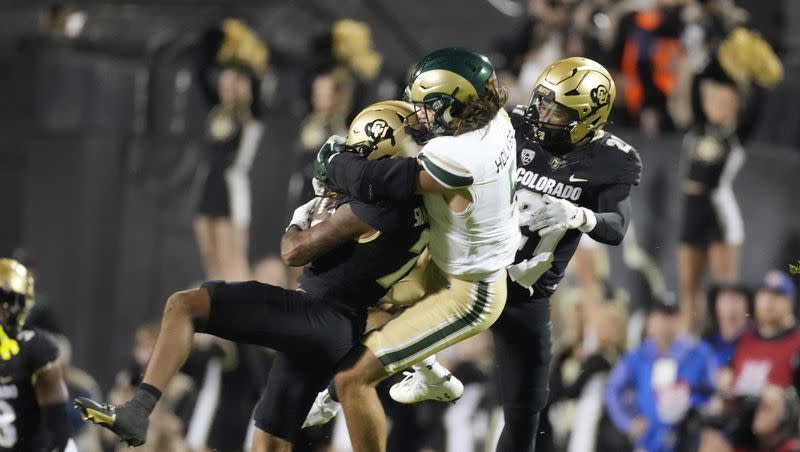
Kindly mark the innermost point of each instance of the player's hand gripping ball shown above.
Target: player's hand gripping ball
(323, 209)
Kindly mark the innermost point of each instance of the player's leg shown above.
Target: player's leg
(455, 311)
(691, 264)
(184, 312)
(231, 242)
(290, 390)
(355, 388)
(204, 233)
(248, 312)
(522, 361)
(265, 442)
(723, 260)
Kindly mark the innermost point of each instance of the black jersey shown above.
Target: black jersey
(577, 176)
(360, 272)
(712, 161)
(19, 411)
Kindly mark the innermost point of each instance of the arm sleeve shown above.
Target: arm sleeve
(44, 354)
(448, 173)
(56, 419)
(391, 180)
(620, 379)
(613, 214)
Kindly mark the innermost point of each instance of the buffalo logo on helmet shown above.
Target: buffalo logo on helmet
(600, 96)
(527, 156)
(379, 130)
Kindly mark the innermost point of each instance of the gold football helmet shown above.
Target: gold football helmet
(380, 131)
(570, 102)
(16, 295)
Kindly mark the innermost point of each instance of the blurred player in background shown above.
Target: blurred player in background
(33, 396)
(465, 173)
(355, 255)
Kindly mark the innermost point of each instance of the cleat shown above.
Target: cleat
(323, 410)
(416, 388)
(129, 421)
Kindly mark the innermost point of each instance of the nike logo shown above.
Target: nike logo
(572, 178)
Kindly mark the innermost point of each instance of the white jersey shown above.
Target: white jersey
(483, 239)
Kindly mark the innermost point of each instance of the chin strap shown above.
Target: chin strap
(8, 346)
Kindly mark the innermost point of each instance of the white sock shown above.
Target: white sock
(431, 369)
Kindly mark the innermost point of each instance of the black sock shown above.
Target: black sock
(332, 392)
(147, 396)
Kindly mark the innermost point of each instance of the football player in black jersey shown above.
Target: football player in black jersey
(572, 178)
(355, 255)
(33, 396)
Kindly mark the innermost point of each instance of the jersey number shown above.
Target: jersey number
(528, 204)
(8, 431)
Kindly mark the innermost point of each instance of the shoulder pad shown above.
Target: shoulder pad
(623, 159)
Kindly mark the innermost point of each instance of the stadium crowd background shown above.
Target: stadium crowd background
(103, 162)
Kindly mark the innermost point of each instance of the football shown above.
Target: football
(323, 209)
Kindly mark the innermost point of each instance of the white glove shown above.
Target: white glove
(561, 214)
(527, 272)
(302, 215)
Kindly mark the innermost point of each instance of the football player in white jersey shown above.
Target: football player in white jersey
(574, 178)
(465, 173)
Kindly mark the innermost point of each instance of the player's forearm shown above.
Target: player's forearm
(297, 247)
(392, 180)
(612, 217)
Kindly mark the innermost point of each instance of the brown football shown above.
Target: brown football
(322, 210)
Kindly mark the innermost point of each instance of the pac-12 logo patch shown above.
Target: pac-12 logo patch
(379, 130)
(527, 156)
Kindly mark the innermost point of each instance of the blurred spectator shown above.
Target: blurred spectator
(775, 423)
(770, 353)
(234, 133)
(764, 423)
(730, 308)
(171, 414)
(648, 52)
(577, 383)
(536, 45)
(229, 378)
(331, 102)
(670, 375)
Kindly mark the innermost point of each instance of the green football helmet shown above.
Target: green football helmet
(442, 83)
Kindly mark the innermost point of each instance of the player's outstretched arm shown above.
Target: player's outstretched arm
(51, 395)
(301, 245)
(392, 180)
(613, 214)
